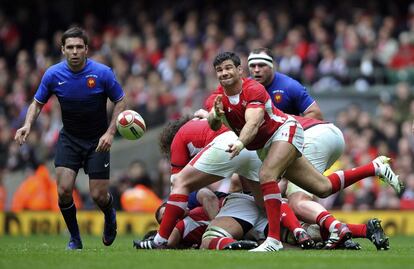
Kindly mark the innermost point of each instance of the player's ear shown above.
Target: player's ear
(86, 49)
(62, 49)
(240, 70)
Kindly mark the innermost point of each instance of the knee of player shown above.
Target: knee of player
(324, 190)
(266, 175)
(179, 182)
(99, 196)
(64, 191)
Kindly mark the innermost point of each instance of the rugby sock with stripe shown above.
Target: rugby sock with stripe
(342, 179)
(174, 211)
(220, 242)
(327, 221)
(69, 215)
(272, 198)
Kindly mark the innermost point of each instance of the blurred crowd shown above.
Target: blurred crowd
(162, 55)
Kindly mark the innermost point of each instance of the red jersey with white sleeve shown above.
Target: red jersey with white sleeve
(190, 139)
(253, 95)
(192, 227)
(308, 122)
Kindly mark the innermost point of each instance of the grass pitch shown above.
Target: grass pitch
(46, 252)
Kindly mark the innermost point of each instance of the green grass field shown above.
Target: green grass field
(46, 252)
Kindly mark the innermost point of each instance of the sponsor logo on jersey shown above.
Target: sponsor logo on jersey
(91, 82)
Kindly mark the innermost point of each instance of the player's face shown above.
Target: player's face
(75, 52)
(228, 74)
(262, 73)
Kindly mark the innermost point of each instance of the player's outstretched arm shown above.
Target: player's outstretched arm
(254, 118)
(32, 113)
(105, 142)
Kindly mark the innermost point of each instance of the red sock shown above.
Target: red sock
(324, 233)
(174, 210)
(358, 230)
(342, 179)
(272, 197)
(288, 218)
(327, 221)
(220, 242)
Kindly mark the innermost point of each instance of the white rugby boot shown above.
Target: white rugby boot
(270, 244)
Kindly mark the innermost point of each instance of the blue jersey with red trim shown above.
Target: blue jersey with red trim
(82, 96)
(289, 95)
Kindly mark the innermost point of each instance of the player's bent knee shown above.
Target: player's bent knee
(214, 232)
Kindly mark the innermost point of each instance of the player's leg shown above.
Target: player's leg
(373, 231)
(67, 163)
(97, 166)
(221, 231)
(65, 178)
(236, 217)
(280, 155)
(104, 200)
(303, 174)
(324, 144)
(186, 181)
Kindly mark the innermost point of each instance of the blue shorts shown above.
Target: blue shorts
(73, 153)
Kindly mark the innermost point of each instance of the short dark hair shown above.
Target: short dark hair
(224, 56)
(168, 133)
(74, 32)
(265, 50)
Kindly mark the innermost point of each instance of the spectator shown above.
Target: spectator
(39, 192)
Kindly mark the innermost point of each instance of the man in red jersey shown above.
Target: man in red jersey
(198, 158)
(245, 106)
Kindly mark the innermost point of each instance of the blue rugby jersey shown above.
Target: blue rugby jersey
(82, 96)
(289, 95)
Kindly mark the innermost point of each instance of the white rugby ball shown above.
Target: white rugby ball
(130, 125)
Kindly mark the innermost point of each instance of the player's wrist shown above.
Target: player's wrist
(239, 145)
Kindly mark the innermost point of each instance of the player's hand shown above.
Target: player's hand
(218, 106)
(105, 143)
(201, 113)
(235, 148)
(21, 134)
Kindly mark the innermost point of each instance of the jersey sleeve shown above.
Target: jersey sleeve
(179, 155)
(44, 91)
(112, 87)
(301, 96)
(256, 97)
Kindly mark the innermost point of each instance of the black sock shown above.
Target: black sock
(107, 209)
(69, 215)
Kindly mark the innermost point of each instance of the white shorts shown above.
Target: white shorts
(291, 131)
(324, 144)
(241, 206)
(214, 159)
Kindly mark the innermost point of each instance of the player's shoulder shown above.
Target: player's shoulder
(285, 81)
(58, 67)
(98, 66)
(249, 83)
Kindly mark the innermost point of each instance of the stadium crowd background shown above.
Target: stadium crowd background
(162, 55)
